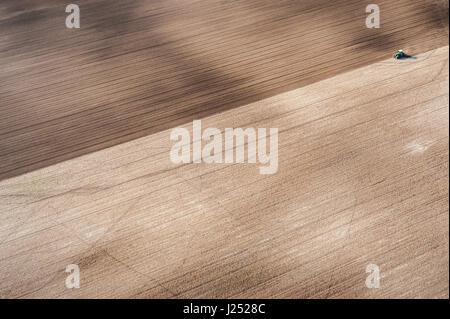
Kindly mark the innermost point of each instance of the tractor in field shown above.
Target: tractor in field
(400, 55)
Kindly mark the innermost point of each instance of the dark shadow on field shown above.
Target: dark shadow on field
(408, 57)
(438, 12)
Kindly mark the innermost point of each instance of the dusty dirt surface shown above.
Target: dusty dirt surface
(138, 67)
(362, 179)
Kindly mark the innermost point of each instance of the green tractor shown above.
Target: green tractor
(400, 55)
